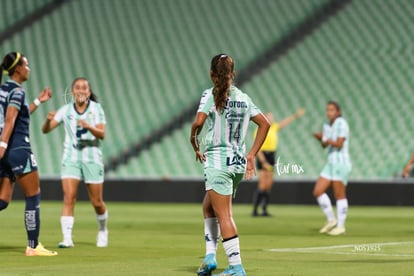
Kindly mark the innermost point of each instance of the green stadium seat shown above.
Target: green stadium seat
(146, 65)
(360, 58)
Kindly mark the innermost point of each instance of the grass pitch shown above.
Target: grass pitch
(167, 239)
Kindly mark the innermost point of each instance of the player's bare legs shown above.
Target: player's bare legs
(70, 191)
(339, 190)
(29, 183)
(222, 208)
(208, 211)
(95, 192)
(322, 184)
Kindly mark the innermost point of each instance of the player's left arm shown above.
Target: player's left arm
(263, 128)
(44, 96)
(342, 132)
(11, 114)
(319, 136)
(98, 130)
(338, 143)
(196, 128)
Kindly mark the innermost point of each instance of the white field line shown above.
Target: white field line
(367, 249)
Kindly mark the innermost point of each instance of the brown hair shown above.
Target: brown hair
(337, 106)
(9, 63)
(222, 73)
(93, 96)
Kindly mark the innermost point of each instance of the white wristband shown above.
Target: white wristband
(37, 102)
(3, 144)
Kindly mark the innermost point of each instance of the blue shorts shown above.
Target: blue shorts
(17, 162)
(222, 182)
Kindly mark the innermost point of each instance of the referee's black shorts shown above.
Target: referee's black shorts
(270, 157)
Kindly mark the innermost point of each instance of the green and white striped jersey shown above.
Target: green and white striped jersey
(80, 145)
(338, 129)
(224, 144)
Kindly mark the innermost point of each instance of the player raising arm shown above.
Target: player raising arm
(84, 122)
(17, 161)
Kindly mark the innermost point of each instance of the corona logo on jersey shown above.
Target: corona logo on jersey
(237, 104)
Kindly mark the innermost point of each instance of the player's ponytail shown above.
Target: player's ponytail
(222, 73)
(93, 96)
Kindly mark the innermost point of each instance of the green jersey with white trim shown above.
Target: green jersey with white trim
(226, 130)
(339, 129)
(80, 145)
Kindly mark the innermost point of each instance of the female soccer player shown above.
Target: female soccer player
(17, 161)
(227, 111)
(84, 122)
(335, 136)
(265, 161)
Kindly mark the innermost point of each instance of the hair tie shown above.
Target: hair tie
(18, 55)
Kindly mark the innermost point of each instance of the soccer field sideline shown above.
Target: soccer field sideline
(167, 239)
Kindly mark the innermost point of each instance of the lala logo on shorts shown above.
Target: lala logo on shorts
(236, 160)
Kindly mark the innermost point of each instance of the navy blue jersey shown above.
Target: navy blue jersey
(12, 94)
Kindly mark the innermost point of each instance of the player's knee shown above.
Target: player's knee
(3, 204)
(316, 193)
(98, 204)
(208, 211)
(339, 196)
(69, 198)
(69, 201)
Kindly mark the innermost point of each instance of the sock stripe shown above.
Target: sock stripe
(228, 239)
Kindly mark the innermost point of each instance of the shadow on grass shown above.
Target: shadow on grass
(7, 249)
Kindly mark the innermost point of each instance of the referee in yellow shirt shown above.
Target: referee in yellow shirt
(266, 160)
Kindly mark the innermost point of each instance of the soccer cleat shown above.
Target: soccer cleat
(233, 270)
(208, 265)
(328, 226)
(39, 251)
(337, 231)
(66, 244)
(102, 239)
